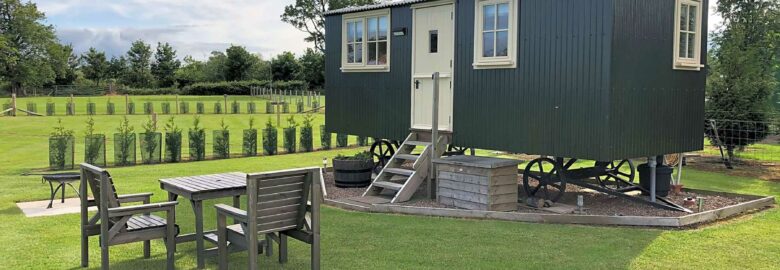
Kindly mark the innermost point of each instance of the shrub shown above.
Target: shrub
(237, 87)
(218, 108)
(342, 140)
(32, 108)
(172, 141)
(269, 107)
(222, 141)
(307, 144)
(124, 144)
(250, 139)
(148, 108)
(70, 108)
(131, 107)
(50, 108)
(184, 107)
(94, 145)
(151, 143)
(269, 138)
(166, 107)
(251, 108)
(285, 107)
(61, 148)
(324, 138)
(235, 107)
(91, 108)
(362, 140)
(197, 141)
(110, 108)
(200, 108)
(289, 135)
(315, 105)
(299, 106)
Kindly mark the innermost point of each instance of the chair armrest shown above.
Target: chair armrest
(140, 197)
(232, 212)
(141, 209)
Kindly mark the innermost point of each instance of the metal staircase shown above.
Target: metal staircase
(409, 167)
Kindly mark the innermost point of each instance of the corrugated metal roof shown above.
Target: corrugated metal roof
(372, 7)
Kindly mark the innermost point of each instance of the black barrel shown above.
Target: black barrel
(352, 173)
(663, 179)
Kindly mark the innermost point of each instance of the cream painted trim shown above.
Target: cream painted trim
(509, 61)
(364, 66)
(682, 63)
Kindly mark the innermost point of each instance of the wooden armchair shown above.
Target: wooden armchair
(280, 204)
(117, 224)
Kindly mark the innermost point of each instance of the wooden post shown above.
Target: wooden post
(177, 105)
(224, 111)
(127, 104)
(13, 104)
(154, 120)
(434, 136)
(72, 106)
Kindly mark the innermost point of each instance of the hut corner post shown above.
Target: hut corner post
(652, 162)
(434, 136)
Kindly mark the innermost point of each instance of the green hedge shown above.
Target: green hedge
(325, 139)
(149, 91)
(238, 88)
(342, 140)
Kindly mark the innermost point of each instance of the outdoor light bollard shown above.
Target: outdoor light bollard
(580, 204)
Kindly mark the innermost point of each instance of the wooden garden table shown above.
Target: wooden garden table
(200, 188)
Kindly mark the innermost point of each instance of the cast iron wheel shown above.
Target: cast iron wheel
(383, 151)
(454, 150)
(618, 174)
(542, 179)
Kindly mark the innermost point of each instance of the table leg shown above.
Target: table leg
(197, 206)
(236, 204)
(51, 200)
(172, 198)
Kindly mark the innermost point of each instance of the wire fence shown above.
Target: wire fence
(736, 141)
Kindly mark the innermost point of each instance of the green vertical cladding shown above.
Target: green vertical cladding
(594, 80)
(371, 104)
(555, 101)
(655, 109)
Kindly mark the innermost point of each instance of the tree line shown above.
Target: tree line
(31, 56)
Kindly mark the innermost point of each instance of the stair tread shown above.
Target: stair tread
(390, 185)
(417, 143)
(407, 156)
(399, 171)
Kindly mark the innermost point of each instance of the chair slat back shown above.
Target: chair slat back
(96, 177)
(277, 200)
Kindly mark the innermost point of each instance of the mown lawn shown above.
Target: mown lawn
(354, 240)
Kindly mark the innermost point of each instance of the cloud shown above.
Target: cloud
(194, 27)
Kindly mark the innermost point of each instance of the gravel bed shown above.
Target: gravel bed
(595, 203)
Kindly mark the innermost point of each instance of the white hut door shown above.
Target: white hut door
(434, 41)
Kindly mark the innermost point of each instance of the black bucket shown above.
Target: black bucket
(352, 173)
(663, 179)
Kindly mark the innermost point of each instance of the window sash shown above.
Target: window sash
(688, 33)
(495, 34)
(368, 47)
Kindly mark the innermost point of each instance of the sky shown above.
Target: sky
(193, 27)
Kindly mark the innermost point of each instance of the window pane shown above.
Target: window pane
(503, 16)
(683, 49)
(683, 19)
(382, 58)
(383, 28)
(433, 41)
(359, 53)
(350, 53)
(358, 32)
(502, 43)
(691, 47)
(372, 53)
(487, 44)
(692, 18)
(488, 17)
(350, 32)
(372, 29)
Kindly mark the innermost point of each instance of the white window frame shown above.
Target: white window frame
(680, 63)
(508, 61)
(362, 17)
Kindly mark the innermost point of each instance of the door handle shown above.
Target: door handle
(416, 84)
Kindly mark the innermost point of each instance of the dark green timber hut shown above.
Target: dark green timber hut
(588, 79)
